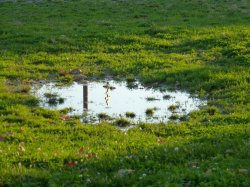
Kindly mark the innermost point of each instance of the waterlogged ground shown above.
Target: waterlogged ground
(116, 100)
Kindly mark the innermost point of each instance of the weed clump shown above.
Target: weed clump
(66, 110)
(212, 110)
(61, 100)
(151, 99)
(183, 117)
(150, 111)
(174, 117)
(23, 89)
(130, 78)
(52, 99)
(122, 122)
(66, 79)
(166, 97)
(50, 95)
(132, 85)
(103, 116)
(130, 114)
(173, 108)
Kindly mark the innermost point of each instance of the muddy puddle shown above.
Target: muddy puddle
(95, 100)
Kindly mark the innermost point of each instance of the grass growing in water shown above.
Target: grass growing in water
(173, 108)
(174, 117)
(166, 97)
(152, 99)
(122, 122)
(150, 111)
(103, 116)
(53, 99)
(130, 114)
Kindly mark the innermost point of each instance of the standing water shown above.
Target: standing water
(115, 99)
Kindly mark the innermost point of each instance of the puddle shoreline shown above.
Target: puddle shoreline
(117, 99)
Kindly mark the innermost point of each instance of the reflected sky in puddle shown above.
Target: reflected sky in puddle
(100, 98)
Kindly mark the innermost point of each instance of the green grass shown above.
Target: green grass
(198, 46)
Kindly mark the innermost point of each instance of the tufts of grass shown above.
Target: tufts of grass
(23, 88)
(130, 114)
(173, 108)
(152, 99)
(174, 117)
(103, 116)
(66, 110)
(130, 78)
(122, 122)
(166, 97)
(149, 111)
(198, 46)
(50, 95)
(61, 100)
(53, 99)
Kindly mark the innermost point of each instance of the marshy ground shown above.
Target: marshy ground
(198, 46)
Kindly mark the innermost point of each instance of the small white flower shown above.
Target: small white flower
(88, 180)
(176, 149)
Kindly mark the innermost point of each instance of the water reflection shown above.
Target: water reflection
(107, 96)
(85, 96)
(116, 99)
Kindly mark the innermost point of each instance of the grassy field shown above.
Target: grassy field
(195, 45)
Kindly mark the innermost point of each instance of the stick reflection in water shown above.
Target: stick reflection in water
(85, 96)
(107, 97)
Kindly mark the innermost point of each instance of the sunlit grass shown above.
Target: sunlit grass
(198, 46)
